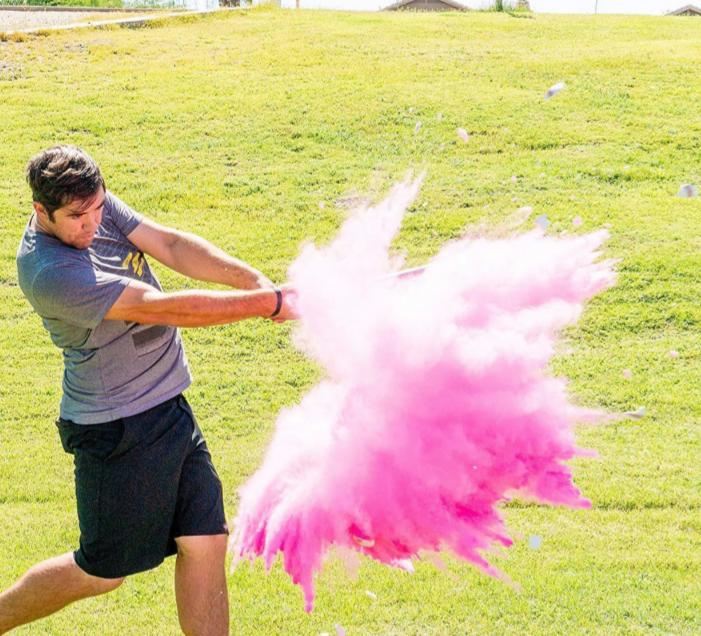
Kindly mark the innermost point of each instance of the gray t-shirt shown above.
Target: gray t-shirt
(113, 369)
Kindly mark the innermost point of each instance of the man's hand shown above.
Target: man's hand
(288, 311)
(264, 282)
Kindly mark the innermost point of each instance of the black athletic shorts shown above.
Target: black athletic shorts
(140, 483)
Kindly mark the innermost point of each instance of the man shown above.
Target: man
(146, 487)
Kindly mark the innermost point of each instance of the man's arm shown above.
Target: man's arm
(146, 305)
(195, 257)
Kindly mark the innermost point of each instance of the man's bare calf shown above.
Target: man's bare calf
(47, 588)
(200, 585)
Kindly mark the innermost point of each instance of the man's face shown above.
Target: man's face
(74, 224)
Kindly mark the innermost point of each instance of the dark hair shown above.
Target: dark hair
(61, 175)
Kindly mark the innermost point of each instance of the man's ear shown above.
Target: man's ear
(41, 212)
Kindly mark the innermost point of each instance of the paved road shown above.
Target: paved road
(14, 20)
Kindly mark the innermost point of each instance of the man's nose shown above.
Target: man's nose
(91, 222)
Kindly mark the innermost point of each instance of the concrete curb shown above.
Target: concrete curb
(124, 22)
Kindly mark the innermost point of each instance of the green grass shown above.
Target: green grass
(235, 127)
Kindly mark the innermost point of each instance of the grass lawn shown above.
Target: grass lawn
(236, 127)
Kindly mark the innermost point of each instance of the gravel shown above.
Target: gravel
(15, 20)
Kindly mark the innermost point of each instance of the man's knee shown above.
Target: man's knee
(97, 586)
(109, 585)
(206, 546)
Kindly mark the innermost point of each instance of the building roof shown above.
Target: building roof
(689, 9)
(450, 3)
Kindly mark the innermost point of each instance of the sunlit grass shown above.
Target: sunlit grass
(236, 127)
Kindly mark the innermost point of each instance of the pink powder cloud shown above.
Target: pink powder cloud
(437, 404)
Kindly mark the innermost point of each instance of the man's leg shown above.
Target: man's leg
(47, 588)
(200, 585)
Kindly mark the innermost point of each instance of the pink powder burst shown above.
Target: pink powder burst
(437, 404)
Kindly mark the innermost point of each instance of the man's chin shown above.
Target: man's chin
(82, 244)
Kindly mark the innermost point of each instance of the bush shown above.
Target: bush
(502, 6)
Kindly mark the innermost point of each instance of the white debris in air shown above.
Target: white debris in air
(366, 543)
(554, 90)
(542, 222)
(688, 191)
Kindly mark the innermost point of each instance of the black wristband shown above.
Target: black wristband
(279, 303)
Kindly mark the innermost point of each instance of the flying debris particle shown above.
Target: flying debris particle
(365, 543)
(673, 354)
(627, 374)
(542, 222)
(322, 205)
(537, 164)
(417, 128)
(636, 415)
(411, 111)
(515, 199)
(563, 232)
(577, 221)
(554, 90)
(462, 133)
(514, 179)
(607, 225)
(440, 117)
(372, 595)
(572, 198)
(535, 542)
(339, 630)
(688, 191)
(626, 167)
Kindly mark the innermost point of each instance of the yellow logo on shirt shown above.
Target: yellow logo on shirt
(137, 263)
